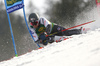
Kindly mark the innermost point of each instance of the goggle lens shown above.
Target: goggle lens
(34, 23)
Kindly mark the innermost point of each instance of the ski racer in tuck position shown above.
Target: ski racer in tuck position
(40, 27)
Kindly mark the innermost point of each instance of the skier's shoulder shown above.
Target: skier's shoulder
(46, 20)
(43, 19)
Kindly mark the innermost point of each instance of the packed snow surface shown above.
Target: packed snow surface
(81, 50)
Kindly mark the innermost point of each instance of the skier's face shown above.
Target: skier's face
(35, 26)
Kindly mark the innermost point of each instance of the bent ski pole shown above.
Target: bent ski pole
(70, 28)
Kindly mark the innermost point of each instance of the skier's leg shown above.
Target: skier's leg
(72, 32)
(57, 29)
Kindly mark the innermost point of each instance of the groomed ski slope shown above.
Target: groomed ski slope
(81, 50)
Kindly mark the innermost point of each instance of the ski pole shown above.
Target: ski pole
(71, 28)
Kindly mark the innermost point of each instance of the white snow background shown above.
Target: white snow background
(81, 50)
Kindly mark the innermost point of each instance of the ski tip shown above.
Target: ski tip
(40, 47)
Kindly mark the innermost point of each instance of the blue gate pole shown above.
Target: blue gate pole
(28, 27)
(11, 31)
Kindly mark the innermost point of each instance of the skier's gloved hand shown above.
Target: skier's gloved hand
(43, 39)
(42, 36)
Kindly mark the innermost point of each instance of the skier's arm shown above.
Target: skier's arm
(47, 24)
(48, 28)
(35, 36)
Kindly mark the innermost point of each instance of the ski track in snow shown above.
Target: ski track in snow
(81, 50)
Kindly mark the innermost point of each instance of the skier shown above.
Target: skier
(40, 27)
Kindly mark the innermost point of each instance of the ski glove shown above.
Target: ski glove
(43, 39)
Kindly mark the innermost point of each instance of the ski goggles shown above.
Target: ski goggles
(34, 23)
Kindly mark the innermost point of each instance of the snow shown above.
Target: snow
(81, 50)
